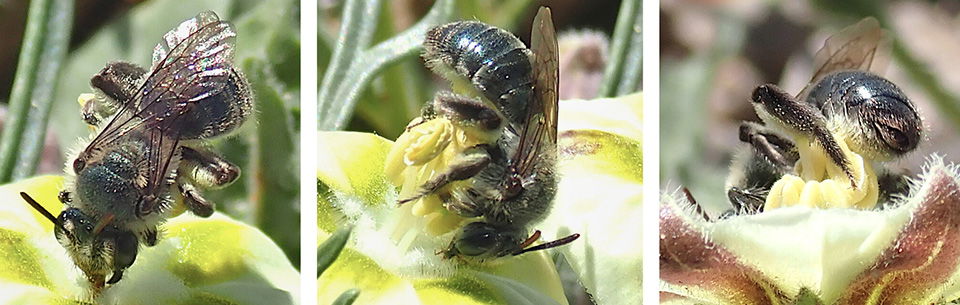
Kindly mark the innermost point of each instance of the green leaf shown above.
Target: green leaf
(275, 184)
(330, 249)
(45, 43)
(347, 297)
(354, 64)
(623, 70)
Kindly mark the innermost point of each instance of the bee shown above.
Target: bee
(147, 155)
(846, 119)
(498, 145)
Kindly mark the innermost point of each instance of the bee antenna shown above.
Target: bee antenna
(556, 243)
(36, 206)
(530, 240)
(106, 220)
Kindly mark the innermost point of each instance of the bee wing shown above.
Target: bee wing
(163, 146)
(540, 130)
(192, 62)
(862, 46)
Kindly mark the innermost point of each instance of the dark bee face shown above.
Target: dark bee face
(479, 240)
(95, 245)
(886, 121)
(76, 228)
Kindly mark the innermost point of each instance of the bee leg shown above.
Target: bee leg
(117, 82)
(745, 200)
(802, 118)
(467, 206)
(464, 111)
(206, 169)
(64, 196)
(893, 185)
(464, 166)
(779, 151)
(194, 201)
(125, 253)
(150, 237)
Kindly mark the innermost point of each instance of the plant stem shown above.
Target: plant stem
(625, 51)
(45, 43)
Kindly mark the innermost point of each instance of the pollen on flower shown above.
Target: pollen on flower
(422, 153)
(821, 183)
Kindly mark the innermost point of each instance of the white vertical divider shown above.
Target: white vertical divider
(308, 151)
(651, 151)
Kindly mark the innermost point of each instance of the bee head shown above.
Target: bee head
(97, 246)
(480, 240)
(75, 227)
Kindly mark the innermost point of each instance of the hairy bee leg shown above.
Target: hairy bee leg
(467, 206)
(125, 248)
(893, 185)
(802, 118)
(465, 166)
(117, 82)
(746, 200)
(150, 237)
(194, 201)
(206, 169)
(697, 208)
(465, 111)
(773, 147)
(117, 275)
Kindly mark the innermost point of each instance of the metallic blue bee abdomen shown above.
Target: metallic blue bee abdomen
(497, 63)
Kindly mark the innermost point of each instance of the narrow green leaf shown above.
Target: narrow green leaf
(625, 51)
(347, 297)
(275, 181)
(344, 82)
(330, 249)
(45, 44)
(355, 14)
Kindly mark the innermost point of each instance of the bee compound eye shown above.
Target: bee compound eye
(476, 240)
(78, 165)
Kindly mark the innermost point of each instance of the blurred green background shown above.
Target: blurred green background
(267, 51)
(713, 53)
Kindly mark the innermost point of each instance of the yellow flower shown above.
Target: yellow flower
(197, 261)
(389, 261)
